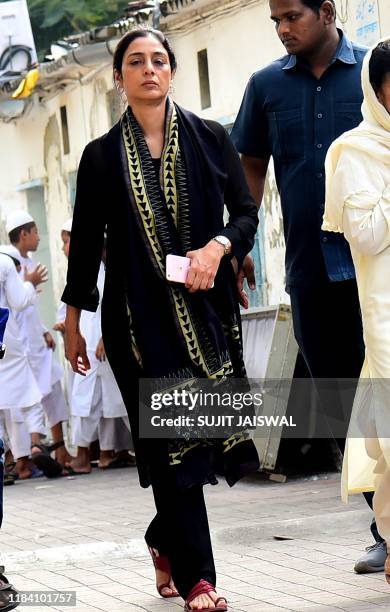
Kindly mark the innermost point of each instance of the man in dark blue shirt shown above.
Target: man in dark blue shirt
(292, 110)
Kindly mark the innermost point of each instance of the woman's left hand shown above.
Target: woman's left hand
(204, 266)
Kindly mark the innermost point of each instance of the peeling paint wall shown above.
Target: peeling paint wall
(34, 153)
(56, 198)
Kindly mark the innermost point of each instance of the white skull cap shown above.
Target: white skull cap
(17, 218)
(67, 226)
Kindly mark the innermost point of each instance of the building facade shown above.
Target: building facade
(219, 44)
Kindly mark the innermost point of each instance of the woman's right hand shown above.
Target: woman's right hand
(76, 352)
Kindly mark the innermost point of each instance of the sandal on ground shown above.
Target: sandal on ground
(161, 563)
(204, 588)
(7, 595)
(9, 474)
(44, 462)
(9, 479)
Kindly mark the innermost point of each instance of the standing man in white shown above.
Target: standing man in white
(20, 411)
(24, 238)
(97, 406)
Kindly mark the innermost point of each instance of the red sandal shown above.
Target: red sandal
(203, 588)
(161, 563)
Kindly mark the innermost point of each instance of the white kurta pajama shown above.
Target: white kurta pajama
(20, 411)
(96, 401)
(69, 374)
(358, 204)
(46, 369)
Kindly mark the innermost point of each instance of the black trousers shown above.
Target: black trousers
(328, 329)
(180, 530)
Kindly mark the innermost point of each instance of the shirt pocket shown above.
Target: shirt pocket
(347, 116)
(287, 134)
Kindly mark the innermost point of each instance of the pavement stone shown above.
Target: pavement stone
(85, 534)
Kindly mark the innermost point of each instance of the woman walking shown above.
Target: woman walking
(358, 204)
(157, 184)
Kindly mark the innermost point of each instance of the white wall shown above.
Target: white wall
(32, 150)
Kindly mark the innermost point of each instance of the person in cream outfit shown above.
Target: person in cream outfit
(358, 204)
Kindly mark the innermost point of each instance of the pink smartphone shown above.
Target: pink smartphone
(177, 268)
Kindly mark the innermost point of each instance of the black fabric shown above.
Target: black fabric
(369, 496)
(180, 531)
(328, 328)
(103, 202)
(208, 311)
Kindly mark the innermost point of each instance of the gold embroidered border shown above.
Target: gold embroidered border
(148, 220)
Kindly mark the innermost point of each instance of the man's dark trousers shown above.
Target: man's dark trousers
(328, 329)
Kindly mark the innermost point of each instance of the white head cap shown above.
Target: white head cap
(16, 219)
(67, 226)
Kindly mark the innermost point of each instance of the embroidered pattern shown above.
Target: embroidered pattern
(147, 198)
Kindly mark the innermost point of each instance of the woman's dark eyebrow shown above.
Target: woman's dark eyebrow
(132, 53)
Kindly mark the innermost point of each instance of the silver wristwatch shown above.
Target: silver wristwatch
(225, 242)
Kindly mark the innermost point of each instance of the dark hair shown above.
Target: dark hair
(379, 65)
(129, 37)
(315, 5)
(14, 235)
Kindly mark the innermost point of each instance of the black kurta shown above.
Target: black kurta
(102, 204)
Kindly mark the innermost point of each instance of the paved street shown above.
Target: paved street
(86, 534)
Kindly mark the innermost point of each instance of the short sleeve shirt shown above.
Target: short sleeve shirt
(289, 114)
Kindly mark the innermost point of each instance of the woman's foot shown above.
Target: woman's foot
(204, 597)
(204, 602)
(164, 583)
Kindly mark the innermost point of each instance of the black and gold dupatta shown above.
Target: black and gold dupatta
(177, 209)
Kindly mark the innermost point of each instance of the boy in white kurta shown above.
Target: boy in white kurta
(98, 411)
(21, 414)
(24, 238)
